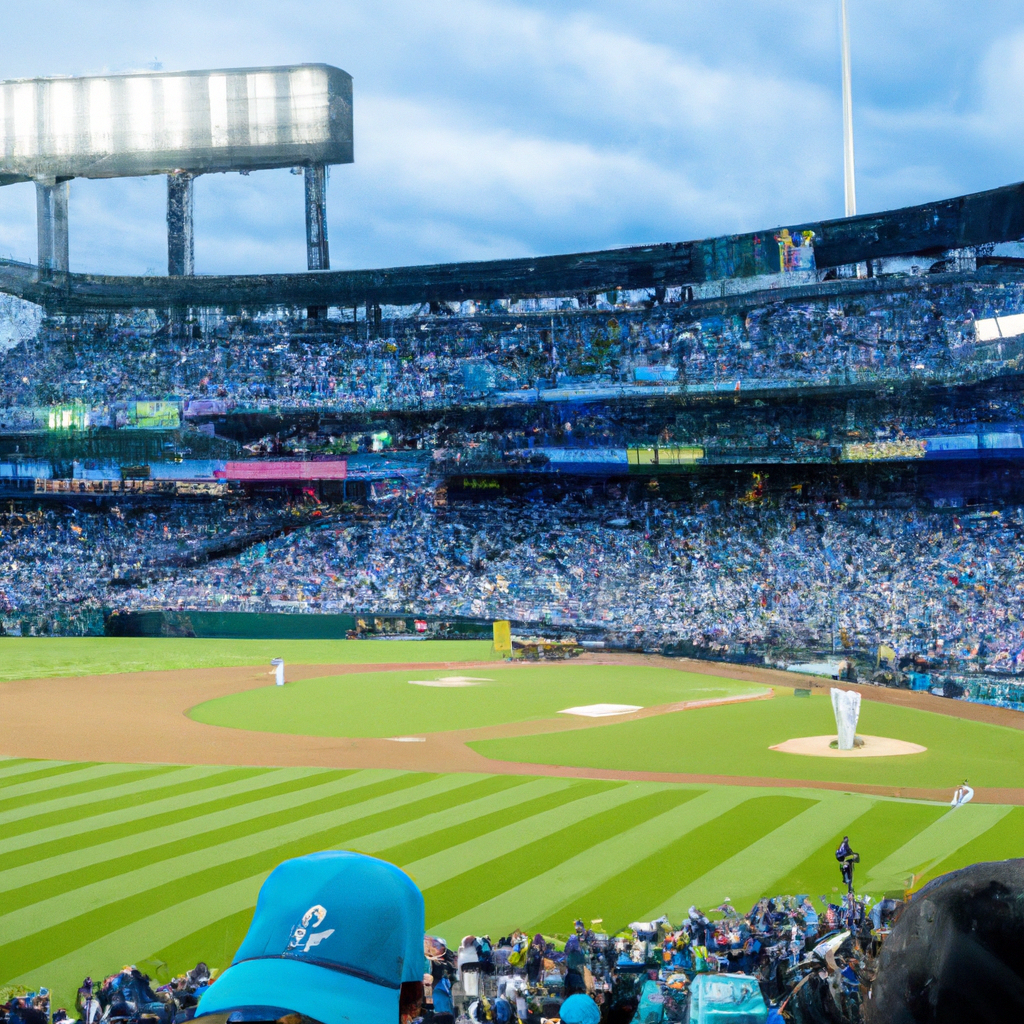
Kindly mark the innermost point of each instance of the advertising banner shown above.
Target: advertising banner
(154, 415)
(283, 470)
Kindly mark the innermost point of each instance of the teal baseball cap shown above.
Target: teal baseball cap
(333, 937)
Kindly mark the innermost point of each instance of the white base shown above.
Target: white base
(602, 710)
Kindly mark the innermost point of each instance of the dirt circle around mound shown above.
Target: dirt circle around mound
(874, 746)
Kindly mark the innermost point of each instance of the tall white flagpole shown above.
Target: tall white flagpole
(851, 188)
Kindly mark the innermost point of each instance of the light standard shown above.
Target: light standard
(848, 181)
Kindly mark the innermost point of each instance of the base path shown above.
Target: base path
(141, 717)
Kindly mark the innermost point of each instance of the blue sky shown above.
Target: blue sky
(486, 129)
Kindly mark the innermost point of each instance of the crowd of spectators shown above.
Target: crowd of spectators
(428, 361)
(61, 558)
(644, 973)
(798, 579)
(800, 576)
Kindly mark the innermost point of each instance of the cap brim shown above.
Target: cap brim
(330, 997)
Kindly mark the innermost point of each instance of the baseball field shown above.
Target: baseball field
(147, 787)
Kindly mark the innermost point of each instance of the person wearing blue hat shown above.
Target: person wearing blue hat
(336, 937)
(578, 1008)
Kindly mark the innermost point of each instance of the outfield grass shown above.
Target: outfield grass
(102, 865)
(386, 704)
(36, 657)
(734, 740)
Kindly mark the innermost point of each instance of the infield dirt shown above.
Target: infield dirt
(141, 717)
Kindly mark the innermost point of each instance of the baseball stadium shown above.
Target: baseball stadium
(544, 580)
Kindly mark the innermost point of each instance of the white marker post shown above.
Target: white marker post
(278, 664)
(846, 707)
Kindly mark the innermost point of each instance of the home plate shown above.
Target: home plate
(407, 739)
(602, 710)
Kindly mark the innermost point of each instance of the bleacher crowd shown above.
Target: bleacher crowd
(801, 576)
(643, 974)
(922, 330)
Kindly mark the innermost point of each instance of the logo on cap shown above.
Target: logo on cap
(302, 933)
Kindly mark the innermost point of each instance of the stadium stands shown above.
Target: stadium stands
(904, 331)
(754, 580)
(818, 461)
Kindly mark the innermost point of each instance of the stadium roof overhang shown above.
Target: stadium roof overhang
(996, 215)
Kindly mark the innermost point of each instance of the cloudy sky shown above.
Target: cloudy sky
(486, 128)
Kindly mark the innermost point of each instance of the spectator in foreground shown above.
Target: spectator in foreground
(335, 936)
(578, 1008)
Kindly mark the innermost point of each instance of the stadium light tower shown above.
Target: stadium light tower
(181, 124)
(848, 181)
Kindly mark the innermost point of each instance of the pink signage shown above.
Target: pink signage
(283, 470)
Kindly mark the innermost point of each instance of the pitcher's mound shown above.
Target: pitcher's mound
(874, 746)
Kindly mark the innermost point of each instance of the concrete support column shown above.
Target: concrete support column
(52, 225)
(181, 252)
(317, 255)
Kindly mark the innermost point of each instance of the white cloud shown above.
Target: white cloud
(488, 129)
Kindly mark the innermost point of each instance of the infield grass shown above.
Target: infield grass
(734, 740)
(389, 704)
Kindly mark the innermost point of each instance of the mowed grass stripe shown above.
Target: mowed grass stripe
(882, 828)
(555, 881)
(78, 827)
(22, 955)
(218, 941)
(757, 861)
(21, 769)
(505, 800)
(656, 876)
(440, 867)
(62, 810)
(222, 847)
(542, 796)
(103, 953)
(923, 851)
(153, 831)
(461, 891)
(112, 860)
(64, 790)
(59, 774)
(82, 773)
(1004, 835)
